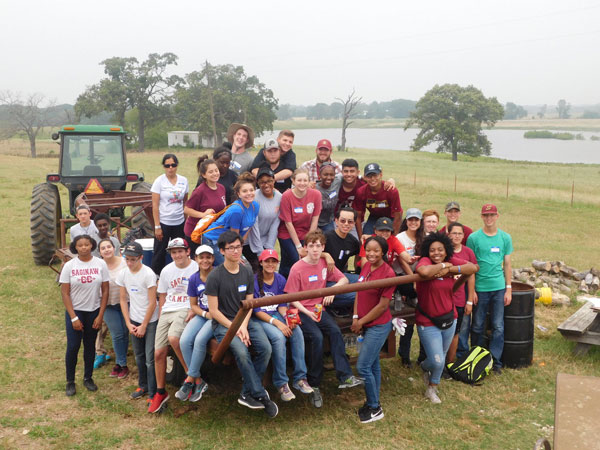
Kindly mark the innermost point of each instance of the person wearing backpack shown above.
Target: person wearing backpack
(435, 314)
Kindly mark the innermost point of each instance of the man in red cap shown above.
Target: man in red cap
(323, 152)
(493, 290)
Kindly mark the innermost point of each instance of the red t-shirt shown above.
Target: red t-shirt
(395, 247)
(299, 211)
(204, 198)
(381, 204)
(435, 296)
(367, 300)
(347, 198)
(460, 296)
(466, 230)
(305, 277)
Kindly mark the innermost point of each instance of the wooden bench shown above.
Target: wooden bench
(583, 327)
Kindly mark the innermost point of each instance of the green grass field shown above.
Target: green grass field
(510, 411)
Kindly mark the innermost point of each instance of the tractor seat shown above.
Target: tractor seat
(92, 171)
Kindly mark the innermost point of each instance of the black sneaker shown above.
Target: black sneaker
(250, 402)
(270, 407)
(369, 414)
(315, 398)
(90, 385)
(407, 363)
(70, 390)
(497, 370)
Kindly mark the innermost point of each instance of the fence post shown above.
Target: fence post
(507, 182)
(455, 183)
(572, 192)
(415, 179)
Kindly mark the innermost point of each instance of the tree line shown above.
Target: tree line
(395, 109)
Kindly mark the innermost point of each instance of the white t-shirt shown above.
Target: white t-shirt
(409, 245)
(90, 230)
(170, 206)
(114, 292)
(137, 285)
(85, 278)
(174, 282)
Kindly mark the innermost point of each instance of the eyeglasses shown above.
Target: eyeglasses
(456, 233)
(267, 181)
(168, 166)
(346, 221)
(234, 248)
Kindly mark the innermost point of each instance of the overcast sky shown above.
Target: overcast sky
(527, 52)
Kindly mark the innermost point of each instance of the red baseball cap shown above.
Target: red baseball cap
(324, 143)
(489, 208)
(268, 253)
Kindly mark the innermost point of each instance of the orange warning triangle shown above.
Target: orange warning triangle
(94, 187)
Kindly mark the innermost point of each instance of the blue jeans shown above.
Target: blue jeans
(368, 227)
(327, 227)
(436, 343)
(494, 301)
(463, 336)
(345, 301)
(74, 338)
(367, 365)
(252, 371)
(313, 335)
(143, 349)
(278, 341)
(118, 332)
(289, 256)
(193, 343)
(219, 258)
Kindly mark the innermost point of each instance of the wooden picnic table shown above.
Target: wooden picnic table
(583, 327)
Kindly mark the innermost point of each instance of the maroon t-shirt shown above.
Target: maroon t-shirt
(466, 230)
(435, 296)
(347, 198)
(204, 198)
(460, 296)
(306, 277)
(298, 211)
(381, 204)
(367, 300)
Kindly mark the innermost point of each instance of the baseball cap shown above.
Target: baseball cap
(204, 249)
(383, 223)
(268, 253)
(324, 143)
(265, 170)
(489, 208)
(414, 212)
(177, 243)
(133, 249)
(271, 143)
(372, 168)
(452, 205)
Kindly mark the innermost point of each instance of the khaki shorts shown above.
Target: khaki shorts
(170, 323)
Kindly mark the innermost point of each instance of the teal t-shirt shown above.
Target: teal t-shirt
(490, 252)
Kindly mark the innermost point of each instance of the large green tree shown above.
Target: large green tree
(513, 111)
(216, 96)
(453, 116)
(130, 84)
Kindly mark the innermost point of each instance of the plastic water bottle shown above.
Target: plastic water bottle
(359, 341)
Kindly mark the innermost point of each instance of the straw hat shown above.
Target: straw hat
(236, 126)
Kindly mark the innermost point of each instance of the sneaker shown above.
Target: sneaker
(138, 393)
(185, 391)
(303, 386)
(199, 389)
(369, 414)
(315, 398)
(431, 394)
(350, 382)
(497, 370)
(157, 402)
(90, 385)
(99, 361)
(115, 372)
(285, 393)
(426, 376)
(270, 407)
(407, 363)
(123, 373)
(446, 374)
(250, 402)
(70, 390)
(363, 408)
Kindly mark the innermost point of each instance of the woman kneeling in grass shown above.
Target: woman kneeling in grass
(373, 319)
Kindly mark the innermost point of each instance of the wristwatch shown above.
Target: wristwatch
(354, 317)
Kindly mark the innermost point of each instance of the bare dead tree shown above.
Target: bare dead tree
(26, 115)
(349, 105)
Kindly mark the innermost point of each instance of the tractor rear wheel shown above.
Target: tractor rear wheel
(45, 218)
(141, 220)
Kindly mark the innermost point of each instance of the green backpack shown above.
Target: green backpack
(473, 367)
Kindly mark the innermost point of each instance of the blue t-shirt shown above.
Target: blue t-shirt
(196, 288)
(270, 290)
(237, 216)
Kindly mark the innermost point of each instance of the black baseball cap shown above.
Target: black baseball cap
(383, 223)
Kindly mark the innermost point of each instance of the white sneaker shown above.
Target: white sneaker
(426, 378)
(285, 393)
(431, 394)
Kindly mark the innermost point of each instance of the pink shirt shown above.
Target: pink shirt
(369, 299)
(305, 277)
(204, 198)
(298, 211)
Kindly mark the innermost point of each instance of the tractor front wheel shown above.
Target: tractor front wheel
(45, 218)
(141, 220)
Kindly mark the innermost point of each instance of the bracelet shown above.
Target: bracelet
(508, 286)
(470, 303)
(156, 227)
(355, 316)
(204, 314)
(459, 269)
(271, 321)
(443, 266)
(75, 319)
(299, 246)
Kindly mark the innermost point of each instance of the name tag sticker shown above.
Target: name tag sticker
(279, 181)
(381, 205)
(332, 194)
(298, 210)
(361, 279)
(235, 164)
(312, 278)
(495, 249)
(134, 289)
(341, 254)
(242, 288)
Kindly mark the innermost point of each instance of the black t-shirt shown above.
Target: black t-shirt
(341, 249)
(227, 180)
(287, 161)
(229, 288)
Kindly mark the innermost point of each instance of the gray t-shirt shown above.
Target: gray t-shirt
(229, 288)
(241, 162)
(330, 200)
(264, 232)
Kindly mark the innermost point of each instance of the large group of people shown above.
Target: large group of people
(322, 214)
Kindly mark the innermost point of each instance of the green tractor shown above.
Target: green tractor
(92, 161)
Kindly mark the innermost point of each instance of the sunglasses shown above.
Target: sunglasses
(344, 221)
(168, 166)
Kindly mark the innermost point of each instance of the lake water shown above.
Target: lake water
(506, 144)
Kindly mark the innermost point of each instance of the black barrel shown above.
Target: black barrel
(518, 327)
